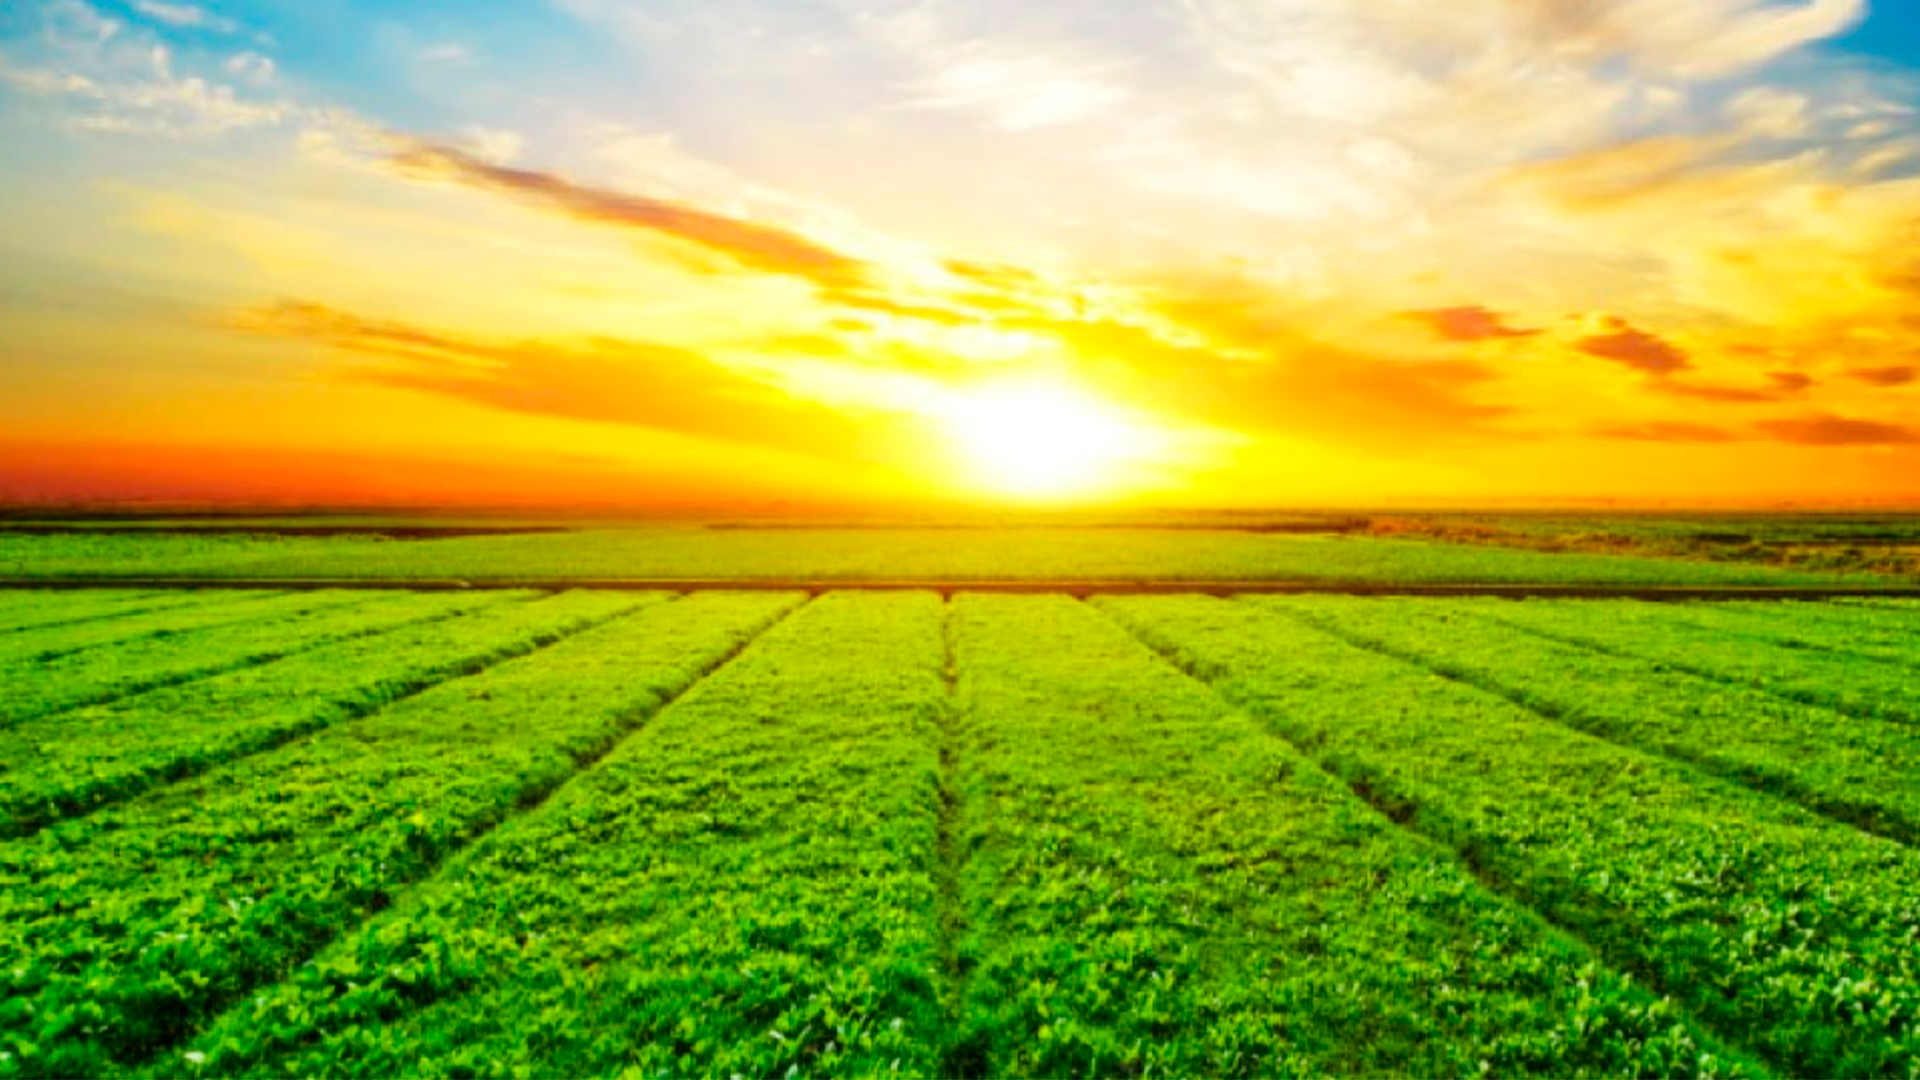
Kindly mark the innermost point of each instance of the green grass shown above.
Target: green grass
(202, 891)
(1792, 932)
(852, 554)
(508, 833)
(1156, 886)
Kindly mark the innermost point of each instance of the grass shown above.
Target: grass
(1044, 553)
(630, 833)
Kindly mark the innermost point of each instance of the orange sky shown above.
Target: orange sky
(740, 252)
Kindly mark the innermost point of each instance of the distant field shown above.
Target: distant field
(1181, 552)
(757, 834)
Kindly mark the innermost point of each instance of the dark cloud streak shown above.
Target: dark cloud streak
(1626, 344)
(758, 247)
(1468, 324)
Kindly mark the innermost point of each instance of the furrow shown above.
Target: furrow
(959, 1058)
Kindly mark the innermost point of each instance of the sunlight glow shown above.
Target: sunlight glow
(1044, 439)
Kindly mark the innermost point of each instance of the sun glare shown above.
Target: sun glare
(1044, 439)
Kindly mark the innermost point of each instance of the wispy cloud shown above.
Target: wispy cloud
(1893, 375)
(637, 384)
(1023, 92)
(1828, 430)
(1665, 431)
(185, 16)
(765, 248)
(122, 81)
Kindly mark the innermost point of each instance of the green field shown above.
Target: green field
(580, 833)
(1127, 552)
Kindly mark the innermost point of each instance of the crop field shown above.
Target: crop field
(693, 552)
(778, 833)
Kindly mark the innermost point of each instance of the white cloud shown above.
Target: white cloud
(1770, 113)
(251, 68)
(496, 145)
(126, 83)
(185, 16)
(1023, 92)
(445, 52)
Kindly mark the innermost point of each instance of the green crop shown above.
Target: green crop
(1860, 770)
(743, 887)
(72, 762)
(1157, 887)
(852, 554)
(199, 892)
(37, 609)
(1847, 680)
(1793, 935)
(44, 680)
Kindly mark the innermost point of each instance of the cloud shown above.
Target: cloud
(445, 52)
(765, 248)
(125, 83)
(1624, 344)
(1022, 92)
(251, 67)
(1771, 113)
(1896, 375)
(1824, 429)
(1467, 324)
(1790, 382)
(185, 16)
(638, 384)
(1661, 431)
(1736, 395)
(1235, 370)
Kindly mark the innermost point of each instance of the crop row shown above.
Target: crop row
(1857, 684)
(1792, 934)
(1155, 886)
(197, 893)
(205, 611)
(1877, 633)
(743, 887)
(35, 609)
(277, 627)
(1142, 881)
(1858, 769)
(62, 765)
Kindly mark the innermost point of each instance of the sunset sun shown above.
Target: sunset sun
(1043, 440)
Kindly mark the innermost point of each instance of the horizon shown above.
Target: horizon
(743, 256)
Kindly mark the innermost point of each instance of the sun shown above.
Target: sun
(1043, 439)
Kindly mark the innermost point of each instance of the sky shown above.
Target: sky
(887, 253)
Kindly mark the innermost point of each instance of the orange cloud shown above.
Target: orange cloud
(639, 384)
(1467, 324)
(1635, 348)
(1733, 395)
(1665, 432)
(1827, 430)
(1895, 375)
